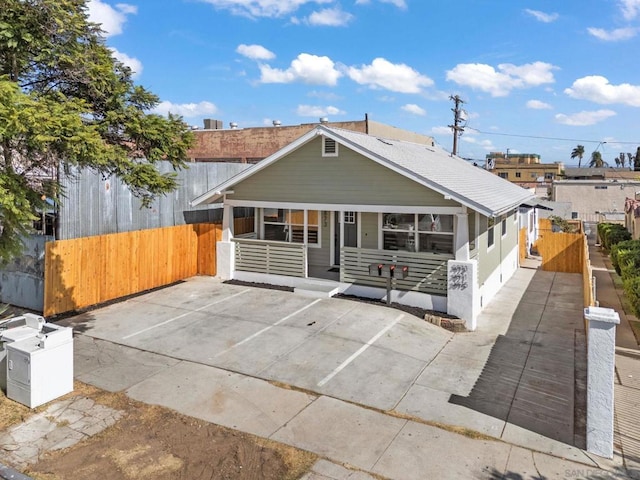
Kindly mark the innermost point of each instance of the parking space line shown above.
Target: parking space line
(161, 324)
(340, 367)
(260, 332)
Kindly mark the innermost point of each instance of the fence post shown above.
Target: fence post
(601, 348)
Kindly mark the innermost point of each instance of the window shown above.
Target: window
(350, 217)
(329, 147)
(503, 225)
(534, 175)
(601, 187)
(417, 232)
(518, 174)
(490, 237)
(503, 175)
(286, 225)
(548, 176)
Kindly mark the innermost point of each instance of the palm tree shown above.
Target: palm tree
(578, 153)
(596, 160)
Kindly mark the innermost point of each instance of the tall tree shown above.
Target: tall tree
(636, 160)
(65, 101)
(578, 153)
(597, 161)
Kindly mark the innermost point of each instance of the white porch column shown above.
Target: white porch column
(225, 249)
(601, 350)
(463, 292)
(462, 236)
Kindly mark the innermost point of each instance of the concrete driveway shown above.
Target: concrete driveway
(353, 351)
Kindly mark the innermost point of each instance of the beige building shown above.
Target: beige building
(250, 145)
(596, 200)
(524, 169)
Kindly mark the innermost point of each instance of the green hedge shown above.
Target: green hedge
(625, 253)
(625, 258)
(612, 233)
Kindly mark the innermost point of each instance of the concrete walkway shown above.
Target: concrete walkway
(505, 357)
(496, 403)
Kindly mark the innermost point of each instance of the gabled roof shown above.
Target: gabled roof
(430, 166)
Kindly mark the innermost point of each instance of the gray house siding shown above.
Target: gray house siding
(490, 259)
(320, 255)
(369, 234)
(349, 178)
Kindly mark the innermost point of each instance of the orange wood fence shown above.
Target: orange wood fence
(566, 252)
(88, 271)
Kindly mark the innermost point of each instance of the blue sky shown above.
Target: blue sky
(536, 76)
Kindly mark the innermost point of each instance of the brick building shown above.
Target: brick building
(249, 145)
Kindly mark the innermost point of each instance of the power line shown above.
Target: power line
(550, 138)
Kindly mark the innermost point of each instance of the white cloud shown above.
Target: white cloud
(310, 69)
(597, 89)
(542, 16)
(538, 105)
(394, 77)
(584, 118)
(440, 131)
(317, 111)
(630, 8)
(133, 63)
(613, 35)
(330, 17)
(499, 83)
(255, 52)
(187, 110)
(486, 145)
(111, 19)
(398, 3)
(262, 8)
(415, 109)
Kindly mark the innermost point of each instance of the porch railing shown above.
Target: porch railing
(427, 271)
(275, 258)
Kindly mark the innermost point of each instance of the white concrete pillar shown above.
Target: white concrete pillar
(463, 292)
(225, 249)
(601, 349)
(462, 236)
(227, 223)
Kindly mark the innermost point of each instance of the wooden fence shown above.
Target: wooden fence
(560, 252)
(566, 252)
(522, 244)
(92, 270)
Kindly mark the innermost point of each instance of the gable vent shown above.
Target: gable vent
(329, 147)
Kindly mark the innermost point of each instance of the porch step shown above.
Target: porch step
(317, 289)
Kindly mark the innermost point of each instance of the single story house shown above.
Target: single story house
(334, 203)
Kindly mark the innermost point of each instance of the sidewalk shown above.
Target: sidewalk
(627, 386)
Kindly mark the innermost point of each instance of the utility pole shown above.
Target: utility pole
(457, 129)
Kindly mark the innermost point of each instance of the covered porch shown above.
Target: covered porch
(335, 245)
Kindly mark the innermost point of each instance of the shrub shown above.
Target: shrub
(632, 292)
(612, 233)
(623, 252)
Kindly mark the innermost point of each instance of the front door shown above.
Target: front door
(350, 227)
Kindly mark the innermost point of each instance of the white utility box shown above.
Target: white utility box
(13, 330)
(40, 367)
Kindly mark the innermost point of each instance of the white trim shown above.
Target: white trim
(359, 230)
(332, 238)
(346, 207)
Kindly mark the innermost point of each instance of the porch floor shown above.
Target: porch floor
(325, 272)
